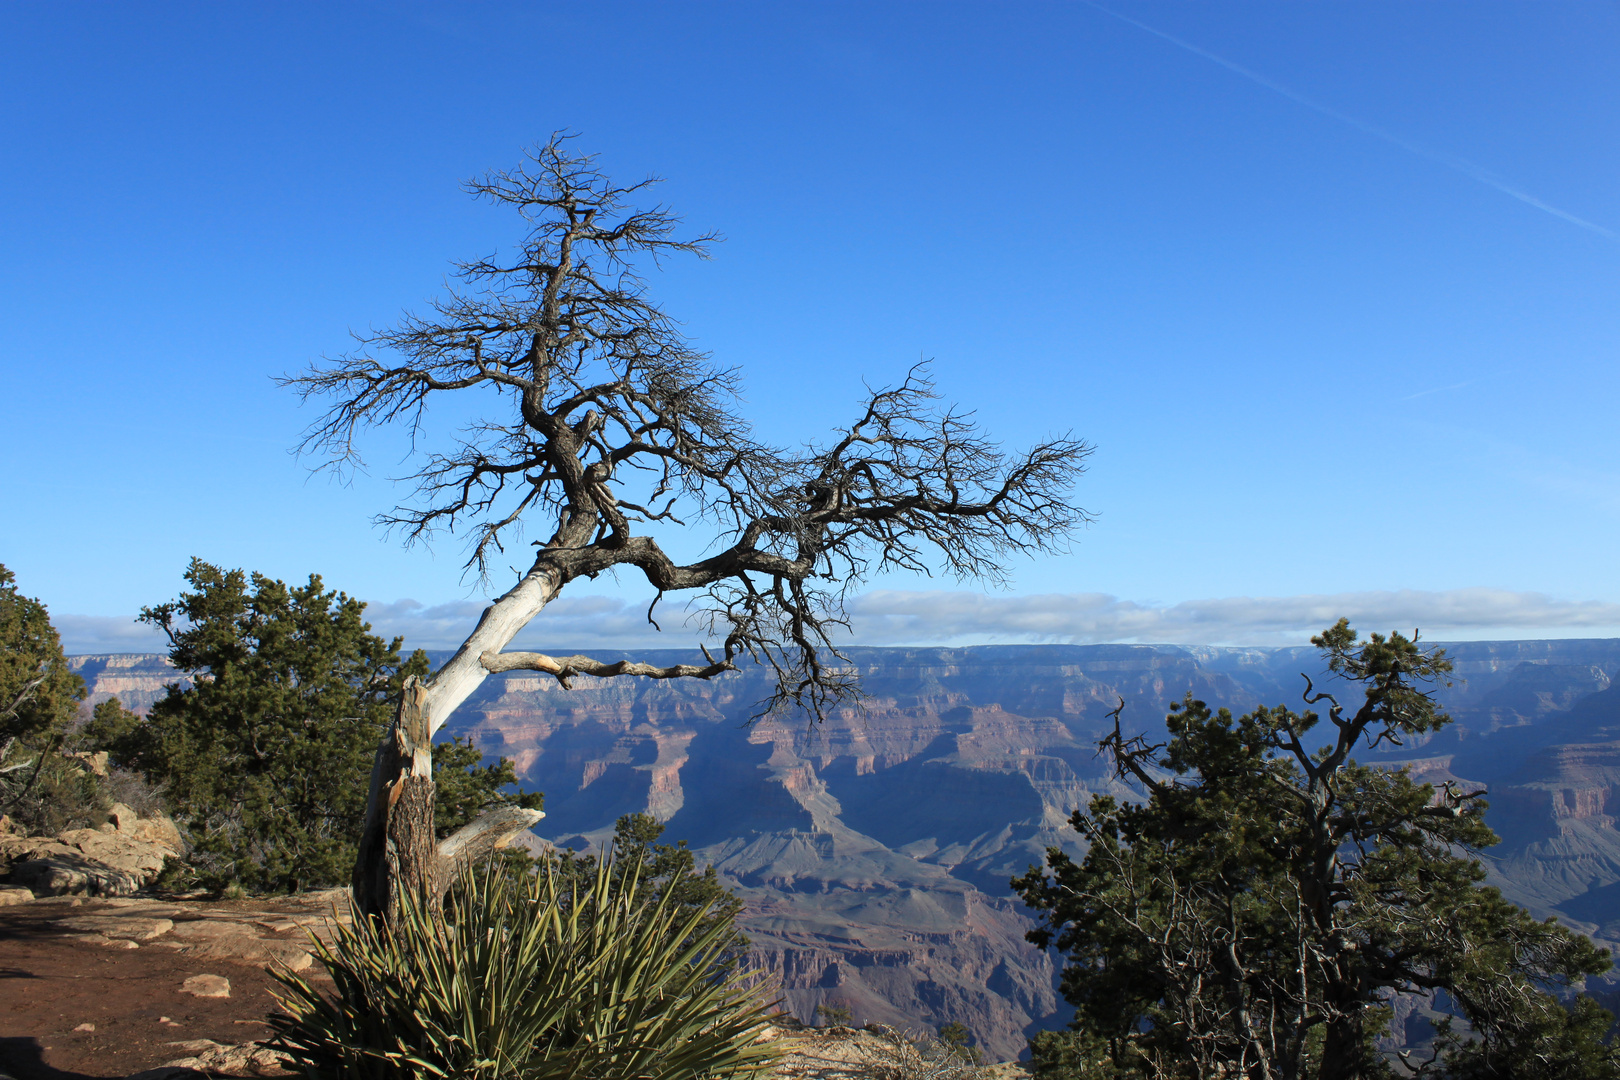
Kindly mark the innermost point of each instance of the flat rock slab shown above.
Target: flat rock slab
(137, 905)
(246, 949)
(296, 922)
(245, 1059)
(104, 942)
(209, 986)
(127, 927)
(205, 929)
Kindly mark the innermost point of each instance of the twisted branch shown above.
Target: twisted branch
(566, 667)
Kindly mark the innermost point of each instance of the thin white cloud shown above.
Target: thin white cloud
(569, 623)
(895, 618)
(1452, 161)
(941, 617)
(1438, 390)
(83, 634)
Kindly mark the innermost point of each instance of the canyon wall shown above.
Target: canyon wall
(135, 679)
(873, 850)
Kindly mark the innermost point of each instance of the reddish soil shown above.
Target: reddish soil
(51, 983)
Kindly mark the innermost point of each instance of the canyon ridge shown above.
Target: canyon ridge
(873, 851)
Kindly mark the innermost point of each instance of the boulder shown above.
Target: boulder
(9, 897)
(246, 1059)
(122, 818)
(208, 986)
(74, 873)
(19, 848)
(120, 850)
(117, 859)
(159, 829)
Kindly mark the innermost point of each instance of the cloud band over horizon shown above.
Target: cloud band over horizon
(944, 617)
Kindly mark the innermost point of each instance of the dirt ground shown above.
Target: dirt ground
(75, 1005)
(71, 1007)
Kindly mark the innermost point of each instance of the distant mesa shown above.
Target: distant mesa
(137, 680)
(873, 851)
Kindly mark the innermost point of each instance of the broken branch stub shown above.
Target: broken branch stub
(398, 850)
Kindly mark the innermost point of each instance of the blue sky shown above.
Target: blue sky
(1331, 286)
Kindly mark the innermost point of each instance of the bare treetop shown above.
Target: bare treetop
(604, 426)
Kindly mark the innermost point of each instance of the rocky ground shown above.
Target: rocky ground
(170, 990)
(119, 986)
(98, 978)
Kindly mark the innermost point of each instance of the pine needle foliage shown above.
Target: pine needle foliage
(39, 695)
(538, 977)
(264, 758)
(1255, 913)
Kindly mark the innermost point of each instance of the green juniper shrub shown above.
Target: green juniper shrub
(265, 758)
(959, 1041)
(49, 779)
(463, 788)
(39, 693)
(43, 790)
(832, 1014)
(110, 725)
(56, 793)
(1081, 1055)
(1253, 915)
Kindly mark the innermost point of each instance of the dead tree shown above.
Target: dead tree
(606, 427)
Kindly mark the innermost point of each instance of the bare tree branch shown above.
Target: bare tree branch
(566, 667)
(605, 430)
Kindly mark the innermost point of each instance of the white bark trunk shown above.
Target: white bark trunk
(396, 844)
(500, 623)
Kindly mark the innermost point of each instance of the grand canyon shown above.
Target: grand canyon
(873, 850)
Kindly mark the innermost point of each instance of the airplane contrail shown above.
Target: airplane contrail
(1452, 161)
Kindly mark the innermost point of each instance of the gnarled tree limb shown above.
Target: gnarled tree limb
(566, 667)
(488, 833)
(613, 430)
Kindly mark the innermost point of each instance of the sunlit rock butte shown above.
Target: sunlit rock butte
(874, 849)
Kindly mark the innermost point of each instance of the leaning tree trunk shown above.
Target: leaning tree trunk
(398, 849)
(397, 845)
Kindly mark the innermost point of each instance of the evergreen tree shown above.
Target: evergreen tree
(39, 697)
(264, 757)
(39, 694)
(958, 1043)
(1253, 916)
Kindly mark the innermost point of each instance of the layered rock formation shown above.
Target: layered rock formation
(135, 679)
(115, 859)
(874, 850)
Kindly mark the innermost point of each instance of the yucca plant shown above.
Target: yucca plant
(529, 977)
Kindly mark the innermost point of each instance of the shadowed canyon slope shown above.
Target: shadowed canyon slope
(874, 850)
